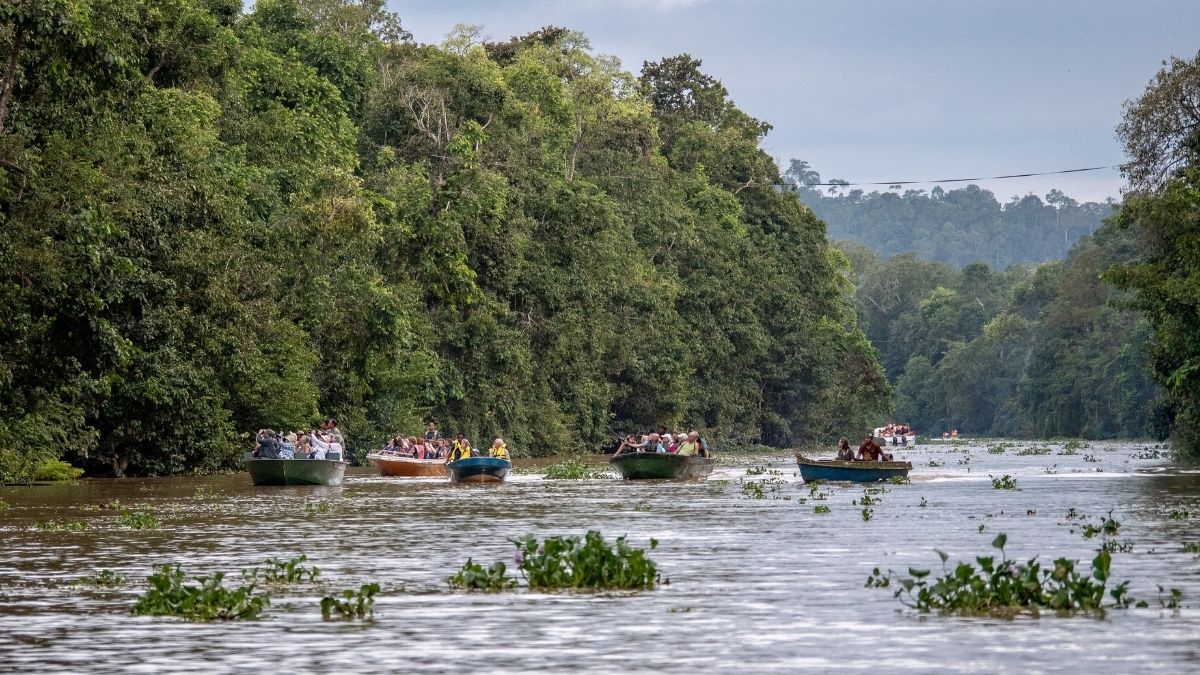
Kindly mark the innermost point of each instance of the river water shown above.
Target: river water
(755, 584)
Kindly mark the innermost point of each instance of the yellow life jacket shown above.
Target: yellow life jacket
(460, 451)
(500, 452)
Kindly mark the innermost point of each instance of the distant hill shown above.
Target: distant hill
(957, 227)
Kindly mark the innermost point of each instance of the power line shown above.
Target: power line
(964, 180)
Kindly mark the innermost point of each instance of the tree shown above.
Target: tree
(1161, 129)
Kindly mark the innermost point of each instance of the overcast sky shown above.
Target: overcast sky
(881, 91)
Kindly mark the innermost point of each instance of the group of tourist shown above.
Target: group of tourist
(869, 451)
(433, 446)
(315, 444)
(679, 443)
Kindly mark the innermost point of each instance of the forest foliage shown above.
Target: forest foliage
(214, 220)
(958, 226)
(1031, 351)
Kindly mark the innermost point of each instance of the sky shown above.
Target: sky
(892, 90)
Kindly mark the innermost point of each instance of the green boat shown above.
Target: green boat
(662, 466)
(297, 471)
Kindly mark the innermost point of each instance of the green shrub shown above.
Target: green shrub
(352, 604)
(999, 586)
(55, 469)
(585, 563)
(474, 577)
(205, 600)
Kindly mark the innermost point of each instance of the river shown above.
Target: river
(756, 585)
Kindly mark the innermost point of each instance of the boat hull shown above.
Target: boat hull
(478, 470)
(854, 472)
(296, 471)
(662, 466)
(390, 465)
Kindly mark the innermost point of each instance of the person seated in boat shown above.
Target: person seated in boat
(630, 443)
(319, 446)
(265, 445)
(654, 444)
(845, 452)
(499, 449)
(461, 449)
(669, 443)
(302, 447)
(954, 433)
(287, 449)
(869, 451)
(703, 447)
(690, 446)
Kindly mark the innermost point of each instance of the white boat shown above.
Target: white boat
(885, 436)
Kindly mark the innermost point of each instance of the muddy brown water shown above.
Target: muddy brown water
(755, 584)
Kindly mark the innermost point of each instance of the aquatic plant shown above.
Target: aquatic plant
(573, 469)
(1005, 482)
(867, 514)
(103, 578)
(642, 506)
(138, 520)
(924, 503)
(587, 562)
(291, 571)
(1076, 444)
(1034, 451)
(867, 501)
(1192, 547)
(1114, 546)
(933, 463)
(1173, 599)
(1006, 586)
(1073, 514)
(55, 470)
(759, 489)
(1149, 453)
(821, 508)
(206, 600)
(999, 448)
(3, 505)
(756, 470)
(1031, 512)
(475, 577)
(900, 480)
(1068, 451)
(753, 489)
(352, 604)
(1178, 514)
(1108, 527)
(1091, 458)
(62, 525)
(313, 508)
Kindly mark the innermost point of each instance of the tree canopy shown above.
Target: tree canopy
(213, 221)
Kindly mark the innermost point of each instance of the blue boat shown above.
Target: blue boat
(478, 470)
(854, 472)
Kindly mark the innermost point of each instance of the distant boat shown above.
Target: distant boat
(855, 472)
(478, 470)
(662, 465)
(328, 471)
(883, 438)
(396, 465)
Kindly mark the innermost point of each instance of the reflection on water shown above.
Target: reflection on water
(759, 583)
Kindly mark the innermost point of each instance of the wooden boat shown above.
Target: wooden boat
(396, 465)
(329, 471)
(478, 470)
(855, 472)
(662, 465)
(894, 439)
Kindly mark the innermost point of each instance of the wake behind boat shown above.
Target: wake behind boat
(849, 470)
